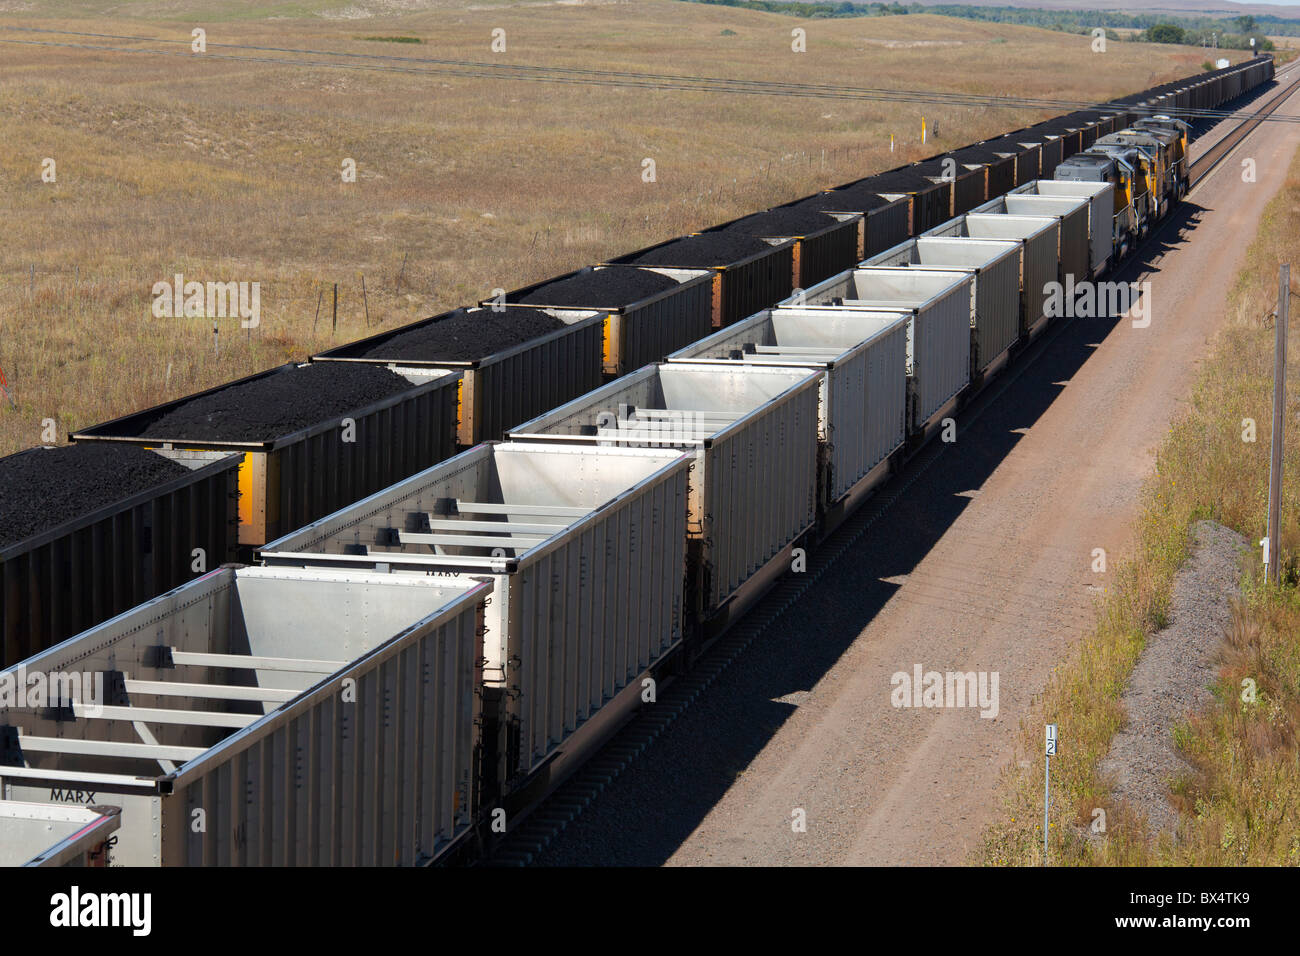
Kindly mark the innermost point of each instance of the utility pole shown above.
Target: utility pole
(1271, 555)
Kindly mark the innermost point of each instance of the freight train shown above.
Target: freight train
(416, 644)
(1146, 163)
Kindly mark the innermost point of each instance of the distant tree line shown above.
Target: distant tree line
(1233, 33)
(1166, 32)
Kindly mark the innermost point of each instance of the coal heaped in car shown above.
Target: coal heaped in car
(846, 200)
(900, 181)
(705, 251)
(464, 336)
(276, 405)
(610, 288)
(783, 222)
(42, 488)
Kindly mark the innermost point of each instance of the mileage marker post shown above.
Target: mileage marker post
(1050, 752)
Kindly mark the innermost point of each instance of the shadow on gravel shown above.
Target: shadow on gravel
(1166, 238)
(650, 809)
(654, 805)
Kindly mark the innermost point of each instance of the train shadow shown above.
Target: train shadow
(646, 813)
(1172, 232)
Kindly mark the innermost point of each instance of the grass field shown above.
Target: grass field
(1240, 805)
(224, 170)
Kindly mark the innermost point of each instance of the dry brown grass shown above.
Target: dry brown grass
(222, 170)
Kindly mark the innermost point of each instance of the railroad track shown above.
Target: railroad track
(523, 845)
(1202, 167)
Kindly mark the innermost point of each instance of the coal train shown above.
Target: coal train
(379, 631)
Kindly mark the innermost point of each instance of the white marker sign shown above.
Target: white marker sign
(1051, 740)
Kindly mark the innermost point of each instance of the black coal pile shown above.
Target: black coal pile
(900, 181)
(856, 199)
(990, 153)
(787, 221)
(704, 251)
(465, 335)
(610, 288)
(42, 488)
(278, 404)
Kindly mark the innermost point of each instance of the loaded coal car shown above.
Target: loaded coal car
(1069, 129)
(885, 222)
(87, 532)
(1092, 124)
(744, 272)
(930, 199)
(824, 242)
(648, 311)
(1050, 149)
(969, 181)
(999, 167)
(1026, 151)
(312, 437)
(516, 361)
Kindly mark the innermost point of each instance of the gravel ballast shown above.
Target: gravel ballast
(278, 404)
(42, 488)
(705, 251)
(609, 288)
(464, 336)
(1173, 676)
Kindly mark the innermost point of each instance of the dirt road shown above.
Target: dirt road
(985, 564)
